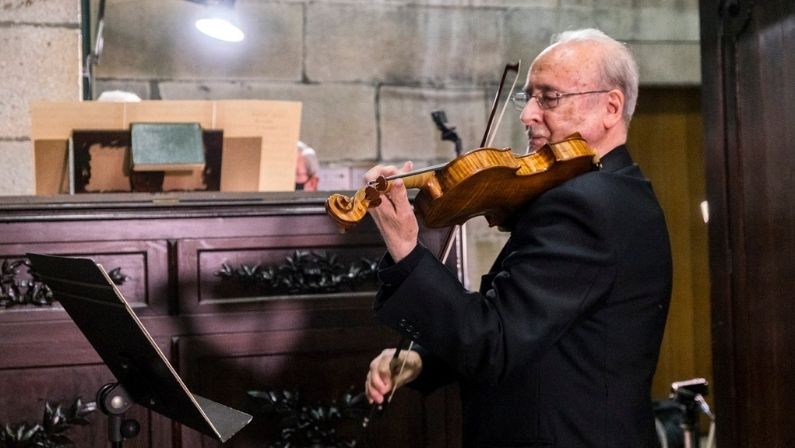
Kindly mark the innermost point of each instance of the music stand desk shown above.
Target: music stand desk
(92, 300)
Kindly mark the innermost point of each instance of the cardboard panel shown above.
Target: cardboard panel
(201, 112)
(55, 121)
(51, 162)
(240, 164)
(278, 123)
(260, 137)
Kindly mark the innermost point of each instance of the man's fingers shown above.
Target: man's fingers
(378, 171)
(373, 395)
(379, 377)
(407, 167)
(386, 171)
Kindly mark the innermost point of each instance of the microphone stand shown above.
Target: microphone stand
(439, 118)
(690, 396)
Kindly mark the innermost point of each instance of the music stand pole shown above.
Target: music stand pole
(114, 401)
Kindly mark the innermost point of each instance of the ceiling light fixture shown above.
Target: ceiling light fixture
(219, 22)
(220, 29)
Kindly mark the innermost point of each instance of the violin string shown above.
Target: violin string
(413, 172)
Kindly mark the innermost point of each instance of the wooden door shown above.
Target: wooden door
(749, 104)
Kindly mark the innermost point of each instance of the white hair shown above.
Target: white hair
(618, 67)
(310, 158)
(118, 96)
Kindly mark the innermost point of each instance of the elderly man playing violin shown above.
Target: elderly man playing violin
(559, 346)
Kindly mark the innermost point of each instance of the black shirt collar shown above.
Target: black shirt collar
(616, 159)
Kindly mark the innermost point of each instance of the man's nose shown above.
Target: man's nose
(531, 113)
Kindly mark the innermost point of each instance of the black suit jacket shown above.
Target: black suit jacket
(559, 347)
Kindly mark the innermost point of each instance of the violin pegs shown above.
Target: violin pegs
(381, 184)
(372, 196)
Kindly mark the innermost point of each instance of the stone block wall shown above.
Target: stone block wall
(39, 60)
(369, 73)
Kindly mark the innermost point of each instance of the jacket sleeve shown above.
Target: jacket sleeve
(557, 267)
(434, 372)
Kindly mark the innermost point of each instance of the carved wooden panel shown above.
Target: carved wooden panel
(36, 369)
(139, 269)
(242, 273)
(321, 366)
(26, 391)
(242, 292)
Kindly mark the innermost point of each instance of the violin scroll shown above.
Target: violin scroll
(347, 211)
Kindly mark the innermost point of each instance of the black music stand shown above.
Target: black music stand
(144, 374)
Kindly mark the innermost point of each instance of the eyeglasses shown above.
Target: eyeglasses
(545, 100)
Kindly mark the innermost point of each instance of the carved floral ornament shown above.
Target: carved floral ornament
(304, 272)
(54, 430)
(304, 424)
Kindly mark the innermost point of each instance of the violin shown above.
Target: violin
(488, 182)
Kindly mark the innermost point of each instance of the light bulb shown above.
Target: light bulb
(220, 29)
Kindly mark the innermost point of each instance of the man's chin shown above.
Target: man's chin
(536, 143)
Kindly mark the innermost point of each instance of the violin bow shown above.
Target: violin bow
(508, 67)
(376, 409)
(450, 239)
(455, 233)
(439, 118)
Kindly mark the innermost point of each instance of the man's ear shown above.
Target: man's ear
(615, 108)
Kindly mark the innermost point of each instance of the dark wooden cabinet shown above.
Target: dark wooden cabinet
(241, 292)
